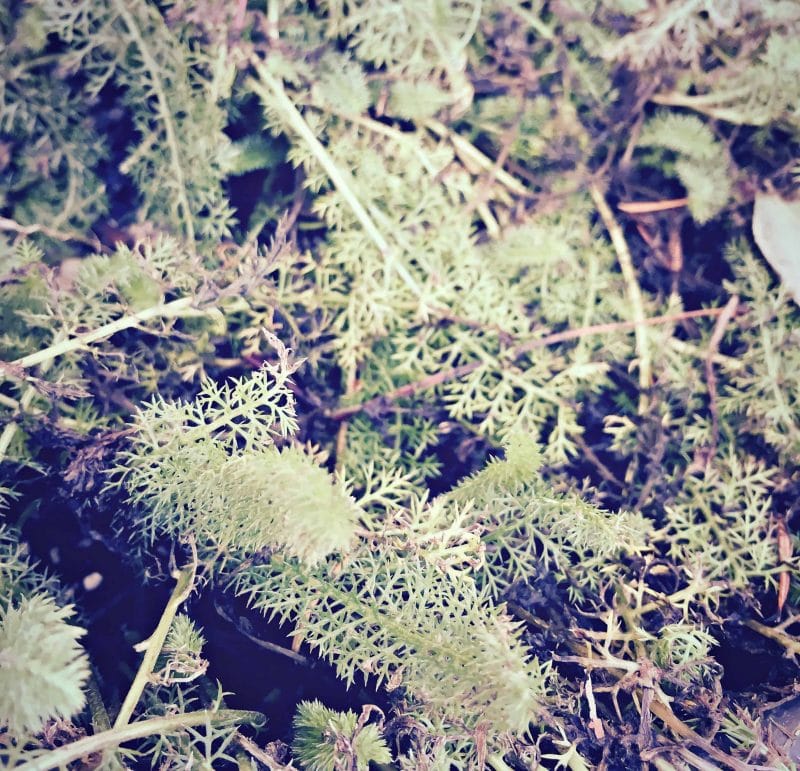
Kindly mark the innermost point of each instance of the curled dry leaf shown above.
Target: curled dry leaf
(784, 555)
(776, 229)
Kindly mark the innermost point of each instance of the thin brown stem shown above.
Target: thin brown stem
(58, 235)
(601, 467)
(298, 658)
(679, 728)
(649, 207)
(778, 635)
(446, 376)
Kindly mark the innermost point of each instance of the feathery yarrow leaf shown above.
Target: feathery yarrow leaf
(406, 622)
(174, 87)
(701, 165)
(327, 740)
(209, 468)
(42, 666)
(529, 526)
(18, 576)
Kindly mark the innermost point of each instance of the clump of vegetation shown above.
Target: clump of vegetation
(433, 334)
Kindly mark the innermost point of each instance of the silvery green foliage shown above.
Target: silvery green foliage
(326, 740)
(684, 648)
(209, 469)
(42, 667)
(413, 38)
(174, 86)
(529, 526)
(373, 574)
(18, 574)
(718, 526)
(699, 160)
(402, 607)
(266, 499)
(677, 33)
(436, 300)
(54, 178)
(406, 622)
(180, 661)
(763, 394)
(207, 746)
(44, 305)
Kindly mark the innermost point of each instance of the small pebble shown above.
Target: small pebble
(92, 581)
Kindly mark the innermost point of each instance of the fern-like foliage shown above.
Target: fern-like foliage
(403, 607)
(422, 297)
(415, 38)
(42, 666)
(684, 648)
(416, 101)
(756, 92)
(700, 162)
(458, 292)
(726, 512)
(210, 745)
(44, 307)
(530, 527)
(180, 661)
(406, 623)
(50, 149)
(763, 393)
(209, 469)
(326, 740)
(18, 574)
(678, 32)
(174, 86)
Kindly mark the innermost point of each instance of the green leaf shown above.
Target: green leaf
(256, 151)
(416, 100)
